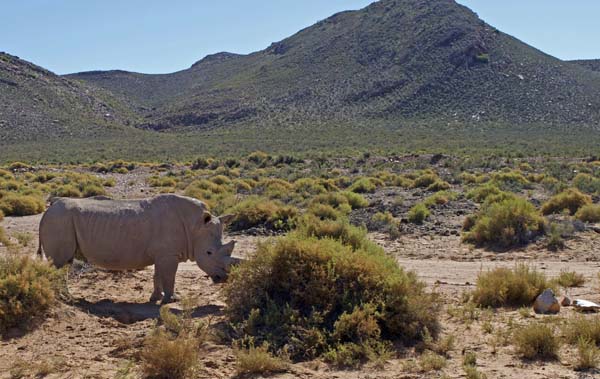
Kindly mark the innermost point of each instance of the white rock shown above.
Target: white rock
(585, 305)
(546, 303)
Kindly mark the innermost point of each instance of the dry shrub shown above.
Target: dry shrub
(570, 199)
(431, 361)
(314, 296)
(509, 287)
(582, 327)
(255, 211)
(67, 190)
(3, 237)
(589, 213)
(257, 360)
(28, 288)
(171, 350)
(471, 372)
(568, 279)
(15, 204)
(438, 185)
(537, 341)
(164, 356)
(509, 222)
(588, 354)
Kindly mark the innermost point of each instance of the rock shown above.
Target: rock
(546, 303)
(565, 301)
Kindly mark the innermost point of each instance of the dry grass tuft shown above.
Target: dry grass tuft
(258, 360)
(588, 354)
(537, 341)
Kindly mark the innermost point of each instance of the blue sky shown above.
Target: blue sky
(157, 36)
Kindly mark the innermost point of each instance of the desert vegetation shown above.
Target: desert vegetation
(321, 286)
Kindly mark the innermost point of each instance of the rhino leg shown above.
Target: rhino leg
(157, 294)
(58, 242)
(166, 269)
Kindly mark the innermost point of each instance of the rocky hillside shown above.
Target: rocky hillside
(36, 104)
(434, 62)
(392, 61)
(592, 64)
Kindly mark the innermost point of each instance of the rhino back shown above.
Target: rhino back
(125, 234)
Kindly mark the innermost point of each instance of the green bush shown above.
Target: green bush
(418, 213)
(506, 223)
(313, 296)
(308, 186)
(510, 180)
(14, 204)
(324, 212)
(28, 288)
(438, 185)
(355, 200)
(425, 180)
(255, 211)
(570, 199)
(586, 183)
(509, 287)
(589, 213)
(439, 198)
(365, 185)
(481, 193)
(334, 199)
(340, 230)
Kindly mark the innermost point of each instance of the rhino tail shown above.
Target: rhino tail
(40, 254)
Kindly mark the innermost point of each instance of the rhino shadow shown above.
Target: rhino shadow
(129, 313)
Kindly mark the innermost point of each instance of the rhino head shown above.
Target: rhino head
(210, 253)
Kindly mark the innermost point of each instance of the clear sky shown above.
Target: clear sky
(157, 36)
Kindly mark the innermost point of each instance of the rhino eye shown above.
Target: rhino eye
(209, 252)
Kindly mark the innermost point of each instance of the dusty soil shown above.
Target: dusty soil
(95, 335)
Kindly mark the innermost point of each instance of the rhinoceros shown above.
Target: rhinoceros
(132, 234)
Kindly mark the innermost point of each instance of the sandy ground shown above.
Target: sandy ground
(95, 335)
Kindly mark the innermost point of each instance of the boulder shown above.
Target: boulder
(565, 301)
(546, 303)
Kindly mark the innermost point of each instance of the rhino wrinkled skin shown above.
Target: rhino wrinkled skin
(133, 234)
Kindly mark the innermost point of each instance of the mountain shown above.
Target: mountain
(395, 63)
(391, 61)
(36, 104)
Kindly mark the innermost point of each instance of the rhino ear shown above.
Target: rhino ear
(206, 217)
(226, 219)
